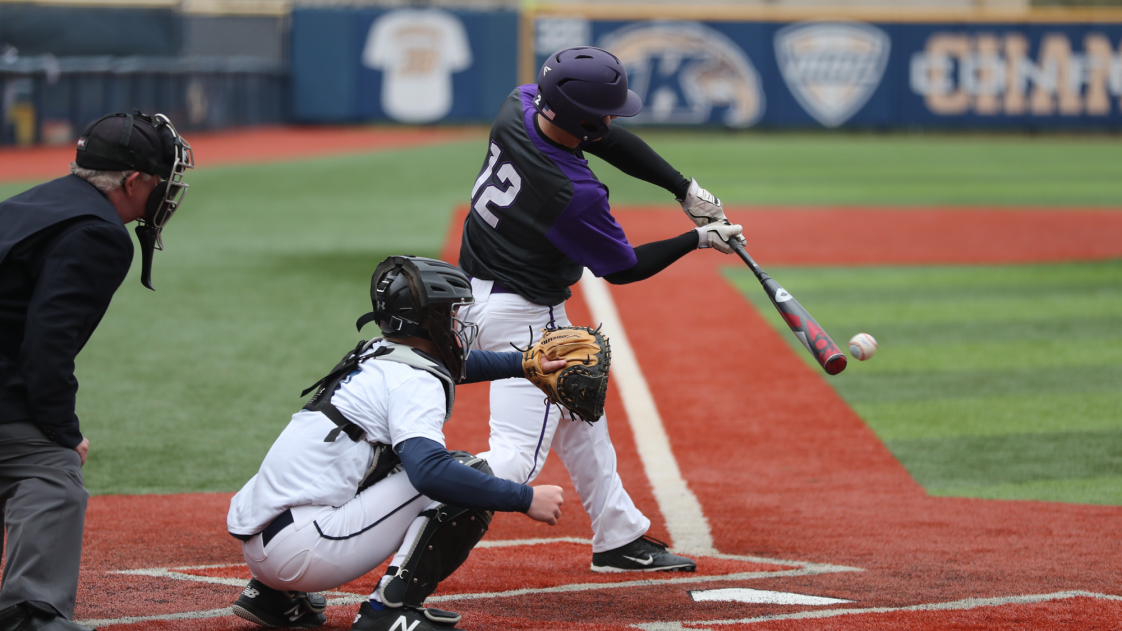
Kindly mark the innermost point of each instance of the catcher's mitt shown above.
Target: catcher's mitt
(582, 385)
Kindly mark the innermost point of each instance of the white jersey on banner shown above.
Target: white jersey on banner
(417, 52)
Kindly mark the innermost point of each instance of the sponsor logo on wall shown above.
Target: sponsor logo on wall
(553, 34)
(832, 68)
(992, 74)
(417, 52)
(687, 73)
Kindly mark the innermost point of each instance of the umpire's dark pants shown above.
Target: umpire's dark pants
(43, 500)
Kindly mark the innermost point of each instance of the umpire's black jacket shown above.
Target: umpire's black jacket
(63, 252)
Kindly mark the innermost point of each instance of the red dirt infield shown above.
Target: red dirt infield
(258, 144)
(782, 467)
(786, 473)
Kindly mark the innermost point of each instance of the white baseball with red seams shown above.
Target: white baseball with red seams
(862, 346)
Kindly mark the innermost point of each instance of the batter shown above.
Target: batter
(538, 218)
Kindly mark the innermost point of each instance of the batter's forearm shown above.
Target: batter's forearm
(655, 257)
(632, 155)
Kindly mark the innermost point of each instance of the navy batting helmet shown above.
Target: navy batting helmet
(578, 87)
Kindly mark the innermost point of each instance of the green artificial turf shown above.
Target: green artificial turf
(265, 271)
(887, 169)
(267, 267)
(990, 381)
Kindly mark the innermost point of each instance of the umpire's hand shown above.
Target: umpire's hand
(83, 448)
(546, 505)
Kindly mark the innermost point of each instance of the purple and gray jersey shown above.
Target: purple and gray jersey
(539, 216)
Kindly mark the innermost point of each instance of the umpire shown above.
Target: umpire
(64, 251)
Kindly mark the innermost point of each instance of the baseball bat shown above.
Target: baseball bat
(804, 327)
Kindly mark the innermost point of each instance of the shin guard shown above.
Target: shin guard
(443, 544)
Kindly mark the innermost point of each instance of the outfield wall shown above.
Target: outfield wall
(694, 65)
(64, 66)
(1038, 70)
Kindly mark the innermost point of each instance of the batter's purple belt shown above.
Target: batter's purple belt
(496, 288)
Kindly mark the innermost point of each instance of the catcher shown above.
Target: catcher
(362, 473)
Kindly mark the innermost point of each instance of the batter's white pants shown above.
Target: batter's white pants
(328, 546)
(524, 427)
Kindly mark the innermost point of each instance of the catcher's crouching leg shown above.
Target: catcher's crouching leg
(442, 545)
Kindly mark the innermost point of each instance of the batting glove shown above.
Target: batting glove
(717, 235)
(704, 209)
(701, 206)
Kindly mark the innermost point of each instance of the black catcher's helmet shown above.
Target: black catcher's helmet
(416, 296)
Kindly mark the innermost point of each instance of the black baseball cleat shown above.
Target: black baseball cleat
(270, 607)
(36, 616)
(409, 618)
(642, 555)
(12, 617)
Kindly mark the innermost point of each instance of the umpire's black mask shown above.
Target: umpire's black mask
(149, 144)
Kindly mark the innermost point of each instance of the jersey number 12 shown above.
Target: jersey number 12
(497, 197)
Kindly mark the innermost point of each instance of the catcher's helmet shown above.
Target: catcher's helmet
(578, 87)
(149, 144)
(416, 296)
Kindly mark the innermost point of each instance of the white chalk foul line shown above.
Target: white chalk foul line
(349, 599)
(808, 569)
(337, 598)
(507, 543)
(689, 529)
(190, 615)
(968, 603)
(179, 575)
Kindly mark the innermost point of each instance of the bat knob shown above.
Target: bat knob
(835, 364)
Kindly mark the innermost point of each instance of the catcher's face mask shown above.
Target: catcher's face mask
(117, 143)
(465, 333)
(415, 296)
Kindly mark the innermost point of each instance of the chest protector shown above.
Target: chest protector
(385, 460)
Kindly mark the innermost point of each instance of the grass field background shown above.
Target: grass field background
(991, 381)
(998, 382)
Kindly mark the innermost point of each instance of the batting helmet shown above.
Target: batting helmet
(578, 87)
(418, 297)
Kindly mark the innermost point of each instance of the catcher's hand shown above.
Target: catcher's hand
(582, 385)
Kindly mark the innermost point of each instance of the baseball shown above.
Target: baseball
(862, 346)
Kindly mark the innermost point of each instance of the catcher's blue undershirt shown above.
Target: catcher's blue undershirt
(437, 475)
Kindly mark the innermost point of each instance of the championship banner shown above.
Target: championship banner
(835, 73)
(431, 65)
(412, 66)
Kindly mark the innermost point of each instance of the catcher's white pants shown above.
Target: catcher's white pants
(524, 427)
(328, 546)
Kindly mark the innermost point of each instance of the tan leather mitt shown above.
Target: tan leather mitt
(582, 385)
